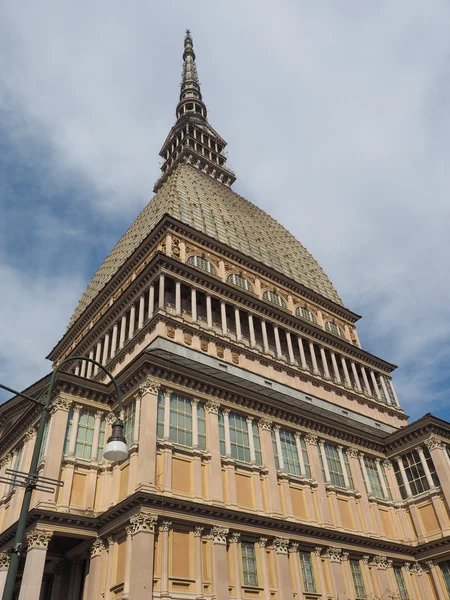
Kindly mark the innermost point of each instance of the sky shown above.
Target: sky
(337, 120)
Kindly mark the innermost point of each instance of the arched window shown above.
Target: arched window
(202, 263)
(305, 313)
(334, 328)
(240, 281)
(274, 298)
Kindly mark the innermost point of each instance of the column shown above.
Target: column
(276, 333)
(90, 365)
(251, 328)
(303, 363)
(355, 376)
(141, 314)
(198, 531)
(337, 375)
(215, 464)
(358, 480)
(223, 314)
(300, 454)
(194, 304)
(366, 381)
(343, 466)
(105, 350)
(178, 297)
(439, 456)
(234, 547)
(142, 529)
(251, 440)
(146, 469)
(123, 325)
(320, 570)
(194, 404)
(273, 494)
(219, 562)
(262, 543)
(114, 339)
(37, 546)
(237, 318)
(162, 294)
(74, 429)
(132, 320)
(264, 336)
(324, 461)
(290, 348)
(4, 566)
(284, 581)
(112, 544)
(382, 564)
(98, 356)
(276, 429)
(313, 358)
(226, 426)
(334, 556)
(83, 368)
(294, 558)
(364, 471)
(164, 529)
(348, 381)
(434, 576)
(316, 468)
(404, 476)
(127, 569)
(423, 460)
(208, 310)
(375, 384)
(96, 436)
(77, 370)
(151, 301)
(381, 476)
(394, 393)
(324, 363)
(137, 418)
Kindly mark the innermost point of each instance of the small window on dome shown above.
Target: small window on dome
(274, 298)
(202, 263)
(240, 281)
(305, 313)
(334, 328)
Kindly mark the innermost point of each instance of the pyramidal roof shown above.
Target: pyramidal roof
(194, 188)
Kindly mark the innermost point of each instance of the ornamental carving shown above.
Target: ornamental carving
(30, 433)
(387, 464)
(416, 568)
(143, 521)
(165, 526)
(293, 547)
(407, 566)
(38, 538)
(281, 545)
(97, 547)
(265, 423)
(344, 556)
(77, 408)
(204, 344)
(212, 406)
(429, 563)
(187, 338)
(176, 248)
(334, 554)
(381, 562)
(149, 386)
(61, 404)
(433, 442)
(110, 418)
(234, 537)
(235, 358)
(219, 534)
(170, 331)
(262, 542)
(365, 559)
(220, 351)
(198, 531)
(4, 560)
(5, 459)
(318, 550)
(311, 439)
(353, 452)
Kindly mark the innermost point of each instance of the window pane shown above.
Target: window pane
(358, 581)
(309, 584)
(249, 564)
(401, 584)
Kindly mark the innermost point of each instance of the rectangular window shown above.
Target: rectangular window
(358, 581)
(15, 467)
(415, 473)
(44, 440)
(85, 435)
(388, 383)
(445, 570)
(374, 478)
(160, 424)
(335, 467)
(239, 439)
(403, 592)
(309, 583)
(181, 424)
(101, 439)
(290, 453)
(68, 431)
(249, 564)
(129, 416)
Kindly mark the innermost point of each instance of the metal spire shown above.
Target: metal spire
(190, 85)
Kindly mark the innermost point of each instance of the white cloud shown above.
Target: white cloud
(337, 122)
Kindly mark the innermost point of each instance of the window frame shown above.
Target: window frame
(202, 263)
(233, 278)
(274, 298)
(249, 575)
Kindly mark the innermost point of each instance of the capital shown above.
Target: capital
(198, 531)
(212, 406)
(149, 386)
(417, 568)
(38, 538)
(293, 547)
(387, 464)
(30, 433)
(4, 561)
(433, 442)
(143, 521)
(262, 542)
(281, 545)
(365, 559)
(219, 534)
(318, 550)
(311, 439)
(429, 564)
(333, 554)
(110, 418)
(353, 452)
(265, 423)
(165, 526)
(97, 547)
(381, 562)
(234, 537)
(61, 403)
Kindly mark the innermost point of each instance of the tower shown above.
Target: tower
(269, 454)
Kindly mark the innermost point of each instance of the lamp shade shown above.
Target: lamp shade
(116, 446)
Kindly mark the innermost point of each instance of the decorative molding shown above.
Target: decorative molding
(97, 547)
(416, 568)
(219, 534)
(281, 545)
(433, 442)
(318, 551)
(110, 418)
(30, 433)
(311, 439)
(353, 452)
(387, 463)
(4, 561)
(265, 423)
(61, 403)
(381, 562)
(165, 526)
(77, 408)
(198, 531)
(5, 459)
(143, 521)
(429, 564)
(149, 386)
(345, 555)
(293, 547)
(365, 559)
(212, 406)
(38, 538)
(262, 542)
(234, 537)
(333, 554)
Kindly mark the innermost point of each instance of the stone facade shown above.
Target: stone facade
(269, 455)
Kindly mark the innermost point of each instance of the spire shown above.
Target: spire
(192, 140)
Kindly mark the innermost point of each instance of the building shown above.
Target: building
(269, 456)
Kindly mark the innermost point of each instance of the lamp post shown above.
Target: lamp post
(115, 450)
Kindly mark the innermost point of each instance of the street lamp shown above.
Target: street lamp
(115, 450)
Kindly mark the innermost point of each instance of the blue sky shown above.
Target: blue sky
(337, 120)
